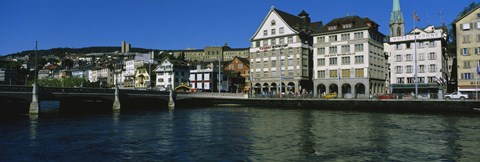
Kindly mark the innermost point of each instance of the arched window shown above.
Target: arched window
(399, 31)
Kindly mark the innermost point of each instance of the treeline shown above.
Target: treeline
(60, 52)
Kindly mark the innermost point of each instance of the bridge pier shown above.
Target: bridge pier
(171, 103)
(116, 103)
(34, 106)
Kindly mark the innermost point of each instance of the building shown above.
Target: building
(423, 48)
(348, 58)
(237, 73)
(467, 29)
(280, 53)
(397, 24)
(205, 77)
(143, 77)
(7, 76)
(212, 53)
(171, 74)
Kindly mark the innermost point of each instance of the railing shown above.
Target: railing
(213, 95)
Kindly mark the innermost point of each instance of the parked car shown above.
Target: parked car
(456, 95)
(387, 96)
(330, 95)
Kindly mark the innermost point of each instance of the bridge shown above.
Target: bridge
(19, 99)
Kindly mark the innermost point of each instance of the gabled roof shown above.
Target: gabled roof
(295, 23)
(464, 15)
(356, 21)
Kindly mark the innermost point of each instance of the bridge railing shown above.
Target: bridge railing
(213, 95)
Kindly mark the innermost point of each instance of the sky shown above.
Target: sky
(182, 24)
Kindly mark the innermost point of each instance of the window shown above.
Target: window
(332, 38)
(398, 46)
(477, 50)
(274, 31)
(421, 56)
(274, 63)
(345, 37)
(346, 60)
(467, 76)
(466, 64)
(290, 39)
(359, 48)
(321, 74)
(321, 50)
(281, 41)
(265, 42)
(273, 23)
(432, 68)
(332, 50)
(274, 74)
(399, 69)
(290, 62)
(333, 61)
(230, 67)
(421, 69)
(358, 35)
(332, 28)
(240, 66)
(421, 79)
(466, 39)
(359, 73)
(431, 44)
(465, 51)
(321, 62)
(466, 26)
(274, 41)
(346, 73)
(346, 49)
(265, 33)
(432, 56)
(346, 26)
(257, 43)
(410, 80)
(358, 59)
(281, 52)
(409, 69)
(321, 39)
(281, 30)
(333, 73)
(400, 80)
(265, 64)
(265, 74)
(408, 57)
(421, 45)
(408, 45)
(398, 58)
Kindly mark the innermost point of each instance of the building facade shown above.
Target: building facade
(171, 74)
(467, 29)
(425, 49)
(348, 58)
(212, 53)
(280, 53)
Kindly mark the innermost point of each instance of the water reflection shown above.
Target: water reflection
(33, 118)
(244, 134)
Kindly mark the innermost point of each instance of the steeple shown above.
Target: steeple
(397, 25)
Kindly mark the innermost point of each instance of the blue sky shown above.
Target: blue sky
(180, 24)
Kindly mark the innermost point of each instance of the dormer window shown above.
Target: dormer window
(346, 26)
(273, 23)
(332, 28)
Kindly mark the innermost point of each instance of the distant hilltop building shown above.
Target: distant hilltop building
(212, 53)
(125, 47)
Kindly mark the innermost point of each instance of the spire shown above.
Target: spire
(396, 15)
(397, 27)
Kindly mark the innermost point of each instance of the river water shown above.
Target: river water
(241, 134)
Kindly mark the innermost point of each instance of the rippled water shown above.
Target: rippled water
(241, 134)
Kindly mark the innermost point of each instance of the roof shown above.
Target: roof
(356, 21)
(296, 23)
(466, 14)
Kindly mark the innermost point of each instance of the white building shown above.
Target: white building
(348, 58)
(281, 53)
(428, 46)
(205, 78)
(171, 74)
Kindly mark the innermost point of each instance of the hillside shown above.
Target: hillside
(62, 51)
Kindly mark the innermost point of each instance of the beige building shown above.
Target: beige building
(467, 28)
(348, 58)
(281, 54)
(212, 53)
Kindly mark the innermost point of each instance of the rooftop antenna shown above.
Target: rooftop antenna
(440, 14)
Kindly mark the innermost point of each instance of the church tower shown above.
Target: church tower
(397, 25)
